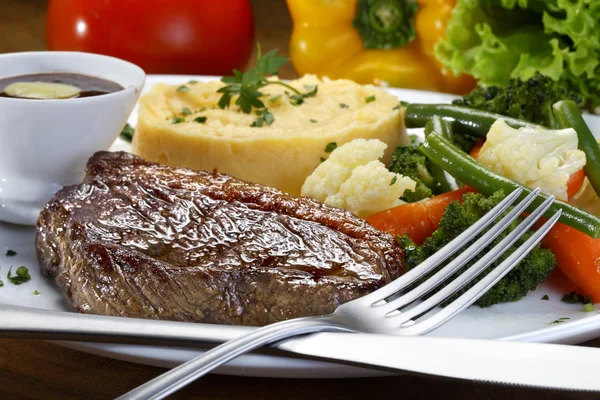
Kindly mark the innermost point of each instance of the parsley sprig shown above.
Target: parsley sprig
(247, 85)
(297, 99)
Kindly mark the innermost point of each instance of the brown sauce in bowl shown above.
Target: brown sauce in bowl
(89, 85)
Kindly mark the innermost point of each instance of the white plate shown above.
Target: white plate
(528, 319)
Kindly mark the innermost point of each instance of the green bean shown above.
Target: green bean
(440, 126)
(464, 119)
(569, 116)
(468, 170)
(444, 128)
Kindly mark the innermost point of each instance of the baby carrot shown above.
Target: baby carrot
(417, 220)
(578, 257)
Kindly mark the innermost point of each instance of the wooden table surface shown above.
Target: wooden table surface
(31, 369)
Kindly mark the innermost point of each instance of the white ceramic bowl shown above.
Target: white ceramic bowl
(45, 144)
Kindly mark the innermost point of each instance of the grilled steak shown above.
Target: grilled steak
(138, 239)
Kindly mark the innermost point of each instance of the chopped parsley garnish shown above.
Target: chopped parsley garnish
(401, 104)
(36, 293)
(177, 120)
(314, 121)
(10, 253)
(200, 120)
(370, 98)
(298, 99)
(246, 86)
(183, 89)
(330, 147)
(127, 133)
(1, 283)
(192, 82)
(394, 179)
(186, 111)
(275, 98)
(560, 320)
(342, 105)
(574, 298)
(545, 297)
(264, 117)
(323, 159)
(22, 275)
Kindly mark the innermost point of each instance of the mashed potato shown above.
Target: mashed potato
(353, 179)
(281, 155)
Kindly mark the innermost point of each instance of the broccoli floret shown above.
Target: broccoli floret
(409, 161)
(464, 141)
(526, 276)
(529, 100)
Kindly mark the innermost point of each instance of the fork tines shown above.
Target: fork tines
(398, 309)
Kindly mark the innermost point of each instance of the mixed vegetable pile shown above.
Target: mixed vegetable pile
(481, 148)
(457, 217)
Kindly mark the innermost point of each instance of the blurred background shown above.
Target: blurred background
(23, 26)
(388, 43)
(437, 45)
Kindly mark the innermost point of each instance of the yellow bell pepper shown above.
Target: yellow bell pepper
(383, 42)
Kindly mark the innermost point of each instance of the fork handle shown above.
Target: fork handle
(175, 379)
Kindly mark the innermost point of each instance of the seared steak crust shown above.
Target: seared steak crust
(138, 239)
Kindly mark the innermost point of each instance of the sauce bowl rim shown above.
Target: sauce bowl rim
(33, 54)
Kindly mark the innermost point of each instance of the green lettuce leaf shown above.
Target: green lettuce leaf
(495, 40)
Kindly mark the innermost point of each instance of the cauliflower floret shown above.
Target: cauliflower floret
(327, 178)
(353, 178)
(534, 157)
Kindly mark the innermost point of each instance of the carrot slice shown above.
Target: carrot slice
(578, 257)
(575, 182)
(417, 220)
(476, 149)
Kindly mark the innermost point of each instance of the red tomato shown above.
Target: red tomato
(162, 36)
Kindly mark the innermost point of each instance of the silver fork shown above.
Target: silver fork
(392, 309)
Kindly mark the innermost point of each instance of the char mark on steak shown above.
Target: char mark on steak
(143, 240)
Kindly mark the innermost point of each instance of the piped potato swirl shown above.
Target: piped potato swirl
(183, 126)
